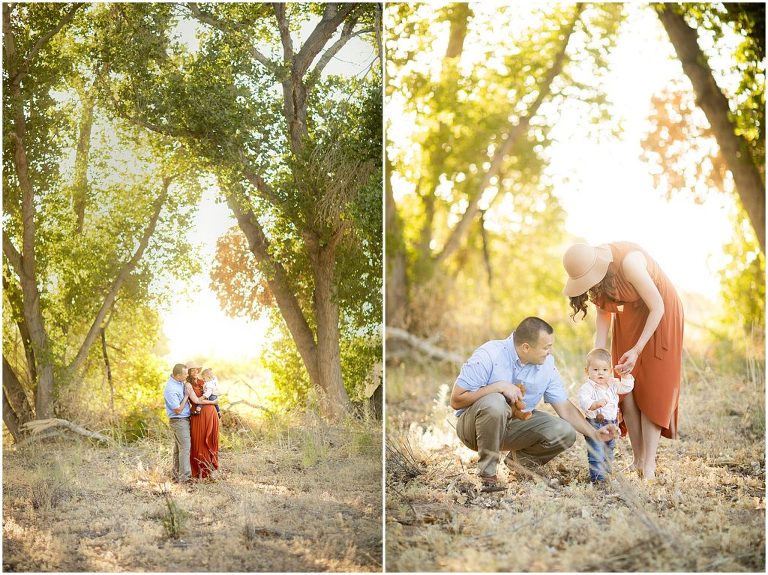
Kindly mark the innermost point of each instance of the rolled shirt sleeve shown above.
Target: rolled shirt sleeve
(555, 390)
(476, 371)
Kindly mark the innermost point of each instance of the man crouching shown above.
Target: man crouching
(485, 391)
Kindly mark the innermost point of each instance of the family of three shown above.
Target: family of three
(191, 402)
(637, 303)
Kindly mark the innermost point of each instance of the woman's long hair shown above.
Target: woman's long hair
(604, 288)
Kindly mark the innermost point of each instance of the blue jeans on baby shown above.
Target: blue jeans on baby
(600, 453)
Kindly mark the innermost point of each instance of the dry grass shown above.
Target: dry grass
(298, 495)
(706, 513)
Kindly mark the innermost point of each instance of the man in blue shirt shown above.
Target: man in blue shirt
(484, 391)
(178, 415)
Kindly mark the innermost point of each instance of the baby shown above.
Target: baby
(210, 388)
(599, 398)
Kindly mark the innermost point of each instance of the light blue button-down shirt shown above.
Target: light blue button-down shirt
(173, 395)
(497, 360)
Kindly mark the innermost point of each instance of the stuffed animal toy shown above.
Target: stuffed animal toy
(519, 406)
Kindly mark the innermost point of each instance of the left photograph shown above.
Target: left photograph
(192, 287)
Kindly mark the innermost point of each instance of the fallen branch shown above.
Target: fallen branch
(249, 404)
(45, 427)
(422, 345)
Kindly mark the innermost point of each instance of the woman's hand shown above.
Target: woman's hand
(607, 433)
(627, 362)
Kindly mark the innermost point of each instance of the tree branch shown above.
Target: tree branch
(42, 41)
(334, 15)
(513, 135)
(13, 255)
(346, 34)
(123, 274)
(201, 16)
(285, 31)
(422, 345)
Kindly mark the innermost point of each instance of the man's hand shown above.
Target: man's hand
(510, 391)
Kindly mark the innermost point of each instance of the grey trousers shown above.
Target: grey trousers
(487, 427)
(182, 466)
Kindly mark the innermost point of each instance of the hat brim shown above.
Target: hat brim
(581, 285)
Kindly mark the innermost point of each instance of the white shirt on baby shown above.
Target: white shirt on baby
(591, 392)
(211, 388)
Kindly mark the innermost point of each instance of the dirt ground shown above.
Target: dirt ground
(706, 512)
(301, 502)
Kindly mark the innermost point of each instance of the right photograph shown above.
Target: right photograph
(575, 287)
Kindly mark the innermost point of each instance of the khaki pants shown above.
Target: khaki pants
(488, 428)
(182, 445)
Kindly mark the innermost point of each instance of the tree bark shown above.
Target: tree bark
(397, 280)
(749, 184)
(16, 408)
(323, 258)
(513, 135)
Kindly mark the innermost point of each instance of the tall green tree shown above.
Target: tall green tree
(479, 118)
(738, 129)
(78, 236)
(254, 105)
(709, 136)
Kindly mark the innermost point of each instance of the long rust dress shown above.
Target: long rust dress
(204, 429)
(657, 371)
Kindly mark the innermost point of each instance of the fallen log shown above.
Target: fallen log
(41, 428)
(422, 345)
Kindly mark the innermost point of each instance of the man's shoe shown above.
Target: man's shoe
(490, 484)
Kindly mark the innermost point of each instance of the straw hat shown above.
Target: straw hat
(586, 266)
(194, 365)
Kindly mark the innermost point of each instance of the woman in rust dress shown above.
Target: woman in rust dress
(204, 427)
(626, 284)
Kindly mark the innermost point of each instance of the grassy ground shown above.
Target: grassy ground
(706, 513)
(290, 496)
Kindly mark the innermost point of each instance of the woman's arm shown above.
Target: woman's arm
(602, 325)
(193, 396)
(636, 271)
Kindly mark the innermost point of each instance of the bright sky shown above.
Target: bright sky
(197, 328)
(611, 196)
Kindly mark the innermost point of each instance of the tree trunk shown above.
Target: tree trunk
(749, 184)
(107, 368)
(125, 271)
(16, 408)
(80, 183)
(335, 401)
(397, 282)
(26, 271)
(278, 283)
(445, 90)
